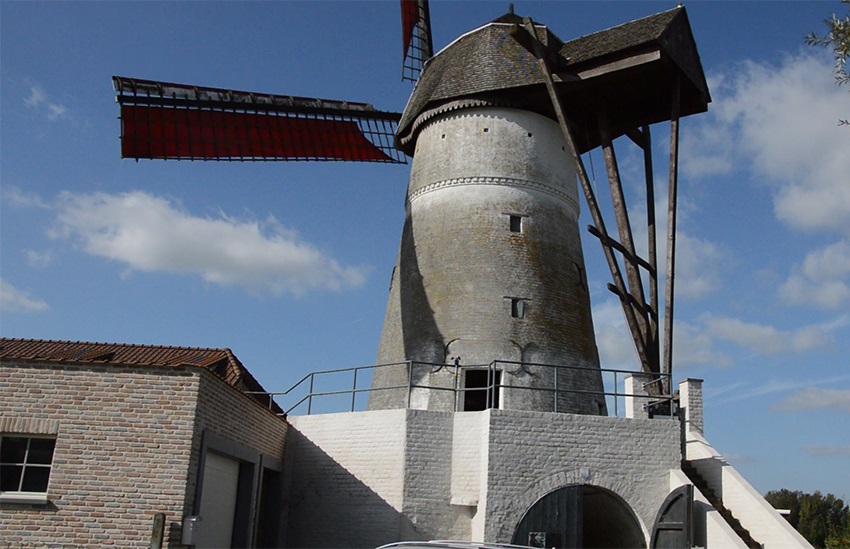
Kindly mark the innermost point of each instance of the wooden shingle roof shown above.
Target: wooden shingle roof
(221, 362)
(629, 71)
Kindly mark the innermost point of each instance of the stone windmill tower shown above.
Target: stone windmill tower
(490, 266)
(490, 276)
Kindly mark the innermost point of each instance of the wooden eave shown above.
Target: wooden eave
(634, 86)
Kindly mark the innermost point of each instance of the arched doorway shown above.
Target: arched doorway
(579, 516)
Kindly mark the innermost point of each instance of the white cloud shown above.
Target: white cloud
(763, 339)
(781, 122)
(616, 348)
(36, 97)
(14, 196)
(39, 100)
(149, 233)
(828, 451)
(708, 145)
(55, 112)
(748, 390)
(822, 279)
(39, 259)
(814, 398)
(691, 344)
(698, 266)
(14, 300)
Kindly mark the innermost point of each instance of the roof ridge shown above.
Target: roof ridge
(632, 22)
(113, 344)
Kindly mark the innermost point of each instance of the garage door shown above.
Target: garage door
(218, 501)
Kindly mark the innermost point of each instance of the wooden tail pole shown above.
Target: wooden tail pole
(527, 36)
(671, 235)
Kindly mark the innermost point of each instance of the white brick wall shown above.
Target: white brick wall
(690, 394)
(345, 478)
(361, 479)
(533, 453)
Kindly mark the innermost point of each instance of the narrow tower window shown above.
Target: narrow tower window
(517, 307)
(516, 223)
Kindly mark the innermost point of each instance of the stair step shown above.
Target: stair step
(716, 502)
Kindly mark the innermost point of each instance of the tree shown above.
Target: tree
(837, 38)
(823, 520)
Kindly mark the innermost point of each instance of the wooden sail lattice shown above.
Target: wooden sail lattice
(416, 38)
(162, 120)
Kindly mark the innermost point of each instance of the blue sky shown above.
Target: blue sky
(289, 264)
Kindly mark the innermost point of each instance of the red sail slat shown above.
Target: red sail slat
(166, 132)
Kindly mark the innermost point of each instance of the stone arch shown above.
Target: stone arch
(520, 503)
(580, 515)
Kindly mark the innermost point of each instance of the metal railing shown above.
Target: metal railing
(344, 383)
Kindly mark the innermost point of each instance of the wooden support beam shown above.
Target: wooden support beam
(653, 347)
(607, 240)
(621, 214)
(643, 309)
(671, 233)
(593, 205)
(639, 138)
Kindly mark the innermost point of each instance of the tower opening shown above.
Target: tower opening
(481, 389)
(516, 223)
(517, 307)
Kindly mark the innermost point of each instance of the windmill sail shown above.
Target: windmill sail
(416, 37)
(162, 120)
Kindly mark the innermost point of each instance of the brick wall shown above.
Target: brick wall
(417, 474)
(128, 447)
(122, 452)
(428, 455)
(225, 412)
(532, 453)
(345, 479)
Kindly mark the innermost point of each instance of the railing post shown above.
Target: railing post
(409, 381)
(557, 386)
(490, 378)
(616, 395)
(457, 384)
(310, 396)
(636, 396)
(354, 389)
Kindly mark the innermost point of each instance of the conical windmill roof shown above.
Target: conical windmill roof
(630, 68)
(484, 60)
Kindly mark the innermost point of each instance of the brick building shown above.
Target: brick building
(124, 432)
(97, 440)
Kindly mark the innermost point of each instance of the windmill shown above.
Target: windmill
(490, 269)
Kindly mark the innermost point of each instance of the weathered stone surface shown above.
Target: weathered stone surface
(461, 263)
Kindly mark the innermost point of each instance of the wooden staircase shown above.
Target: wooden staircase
(717, 503)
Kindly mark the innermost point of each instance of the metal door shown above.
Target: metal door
(673, 527)
(553, 521)
(218, 501)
